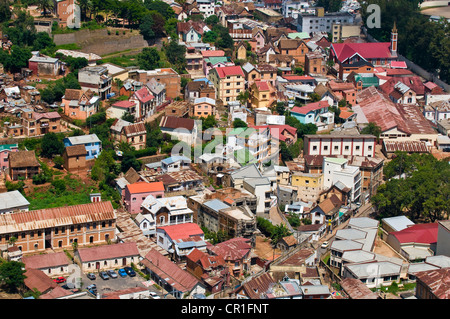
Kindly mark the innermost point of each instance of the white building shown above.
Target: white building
(292, 8)
(206, 7)
(165, 211)
(352, 145)
(262, 189)
(12, 202)
(175, 163)
(300, 92)
(96, 79)
(321, 21)
(336, 170)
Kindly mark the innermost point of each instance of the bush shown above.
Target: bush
(59, 161)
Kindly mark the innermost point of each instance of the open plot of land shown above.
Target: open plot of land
(440, 11)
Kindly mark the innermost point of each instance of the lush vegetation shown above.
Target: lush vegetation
(424, 42)
(422, 192)
(12, 275)
(276, 233)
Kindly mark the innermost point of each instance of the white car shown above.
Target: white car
(154, 295)
(324, 245)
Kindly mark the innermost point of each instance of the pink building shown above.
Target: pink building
(136, 193)
(4, 153)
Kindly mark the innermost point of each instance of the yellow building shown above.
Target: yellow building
(262, 94)
(241, 51)
(228, 82)
(309, 185)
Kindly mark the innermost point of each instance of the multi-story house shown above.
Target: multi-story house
(228, 82)
(321, 21)
(158, 212)
(194, 63)
(158, 90)
(360, 145)
(253, 141)
(23, 164)
(60, 227)
(68, 13)
(296, 48)
(215, 62)
(315, 64)
(267, 73)
(206, 7)
(79, 104)
(337, 170)
(316, 113)
(36, 124)
(96, 79)
(262, 94)
(204, 107)
(167, 76)
(136, 193)
(5, 150)
(145, 103)
(135, 135)
(309, 185)
(91, 142)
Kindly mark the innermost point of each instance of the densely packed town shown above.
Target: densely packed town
(205, 149)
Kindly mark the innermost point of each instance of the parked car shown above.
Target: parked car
(112, 273)
(92, 289)
(122, 272)
(59, 280)
(154, 295)
(324, 245)
(130, 272)
(91, 276)
(104, 275)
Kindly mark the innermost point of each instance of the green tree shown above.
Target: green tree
(129, 160)
(43, 41)
(128, 117)
(17, 60)
(209, 122)
(5, 11)
(46, 6)
(239, 123)
(12, 275)
(175, 54)
(51, 145)
(209, 37)
(212, 20)
(372, 129)
(149, 59)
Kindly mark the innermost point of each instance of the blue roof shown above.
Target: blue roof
(173, 159)
(216, 205)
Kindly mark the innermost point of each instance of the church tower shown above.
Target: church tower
(394, 40)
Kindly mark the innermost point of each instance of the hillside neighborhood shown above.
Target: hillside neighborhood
(201, 149)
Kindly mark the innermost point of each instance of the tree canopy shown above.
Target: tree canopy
(422, 193)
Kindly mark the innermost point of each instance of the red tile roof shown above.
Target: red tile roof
(413, 82)
(229, 71)
(182, 231)
(438, 280)
(144, 187)
(369, 50)
(173, 122)
(144, 95)
(46, 260)
(108, 252)
(262, 85)
(419, 233)
(310, 107)
(398, 64)
(232, 249)
(211, 53)
(164, 268)
(124, 104)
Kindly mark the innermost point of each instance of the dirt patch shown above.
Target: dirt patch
(5, 295)
(263, 248)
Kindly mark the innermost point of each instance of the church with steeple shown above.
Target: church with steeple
(375, 54)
